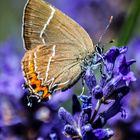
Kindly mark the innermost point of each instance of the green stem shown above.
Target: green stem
(96, 110)
(129, 23)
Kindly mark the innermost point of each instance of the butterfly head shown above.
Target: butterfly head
(99, 48)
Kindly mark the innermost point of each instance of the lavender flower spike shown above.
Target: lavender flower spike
(66, 116)
(111, 56)
(103, 134)
(111, 85)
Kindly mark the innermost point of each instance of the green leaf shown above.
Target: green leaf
(130, 23)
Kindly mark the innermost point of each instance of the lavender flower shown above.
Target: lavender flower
(119, 75)
(110, 57)
(113, 84)
(131, 102)
(82, 128)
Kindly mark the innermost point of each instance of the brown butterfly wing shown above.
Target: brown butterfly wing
(56, 45)
(52, 66)
(44, 24)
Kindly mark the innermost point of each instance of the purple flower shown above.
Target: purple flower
(81, 128)
(108, 88)
(90, 79)
(103, 134)
(97, 92)
(117, 71)
(71, 128)
(111, 56)
(66, 116)
(123, 68)
(115, 74)
(86, 101)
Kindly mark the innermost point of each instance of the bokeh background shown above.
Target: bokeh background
(17, 120)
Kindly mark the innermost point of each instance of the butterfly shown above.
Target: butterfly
(58, 50)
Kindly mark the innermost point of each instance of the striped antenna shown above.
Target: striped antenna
(110, 21)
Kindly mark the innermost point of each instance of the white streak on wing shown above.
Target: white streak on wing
(49, 63)
(35, 66)
(53, 54)
(47, 23)
(29, 65)
(63, 83)
(35, 61)
(23, 23)
(30, 57)
(50, 83)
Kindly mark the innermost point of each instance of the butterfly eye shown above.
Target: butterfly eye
(99, 49)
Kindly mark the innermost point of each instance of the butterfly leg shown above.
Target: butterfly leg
(25, 86)
(30, 99)
(83, 87)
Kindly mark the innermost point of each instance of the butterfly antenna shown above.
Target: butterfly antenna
(110, 21)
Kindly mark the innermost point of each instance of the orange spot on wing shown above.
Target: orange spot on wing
(34, 81)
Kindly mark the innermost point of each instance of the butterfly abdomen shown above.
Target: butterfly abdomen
(30, 75)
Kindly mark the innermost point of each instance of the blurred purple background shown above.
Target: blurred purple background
(17, 120)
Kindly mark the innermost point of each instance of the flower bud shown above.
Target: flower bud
(97, 92)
